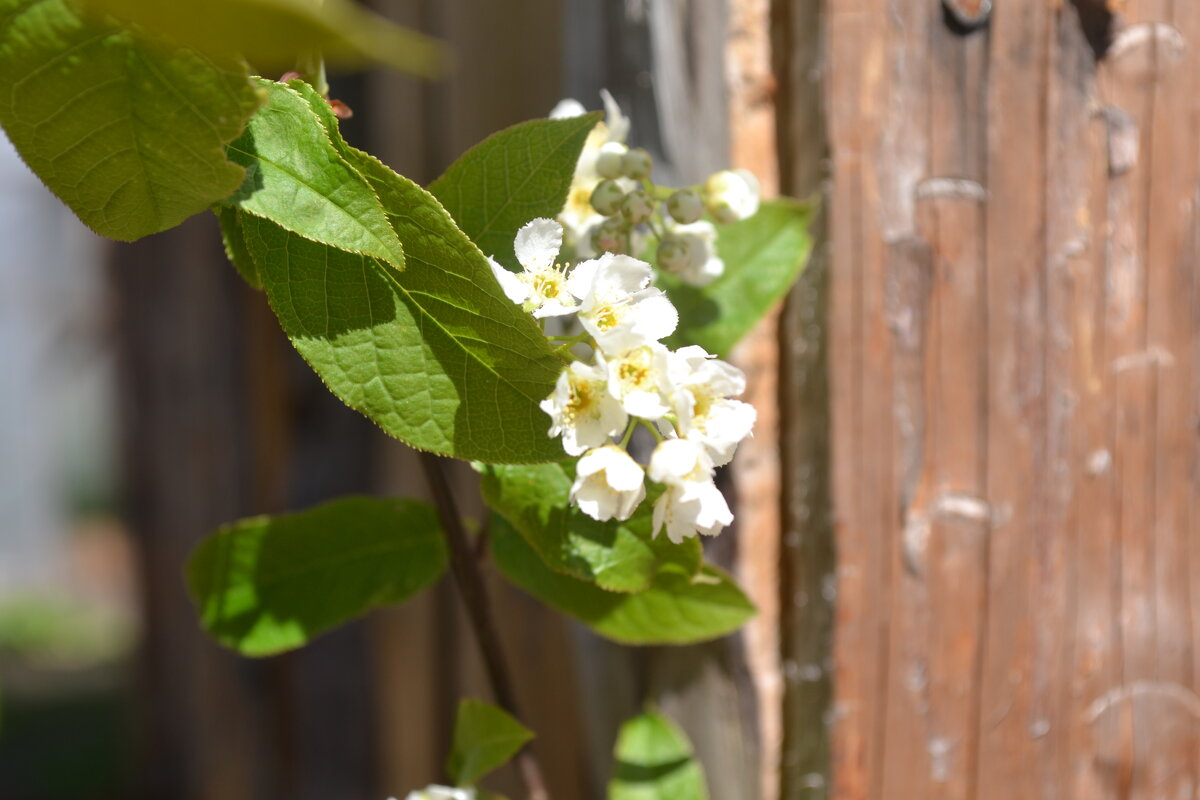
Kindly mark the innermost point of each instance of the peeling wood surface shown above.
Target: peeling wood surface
(1015, 390)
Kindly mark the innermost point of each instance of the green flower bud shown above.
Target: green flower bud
(637, 206)
(637, 164)
(609, 160)
(685, 206)
(611, 236)
(674, 255)
(606, 198)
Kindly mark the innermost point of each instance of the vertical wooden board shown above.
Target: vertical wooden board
(807, 579)
(1175, 741)
(1095, 660)
(1070, 90)
(853, 105)
(756, 468)
(1127, 83)
(952, 497)
(1016, 393)
(895, 321)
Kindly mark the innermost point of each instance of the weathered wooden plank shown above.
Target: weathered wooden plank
(807, 580)
(1071, 403)
(1008, 757)
(902, 283)
(951, 499)
(854, 100)
(1127, 87)
(1172, 746)
(756, 468)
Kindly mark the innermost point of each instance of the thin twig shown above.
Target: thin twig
(470, 587)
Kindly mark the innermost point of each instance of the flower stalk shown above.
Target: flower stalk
(465, 567)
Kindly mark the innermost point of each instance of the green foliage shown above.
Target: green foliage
(676, 609)
(485, 737)
(763, 256)
(128, 131)
(654, 761)
(617, 556)
(234, 239)
(274, 33)
(298, 179)
(436, 355)
(268, 584)
(518, 174)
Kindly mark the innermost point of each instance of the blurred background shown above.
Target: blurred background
(984, 396)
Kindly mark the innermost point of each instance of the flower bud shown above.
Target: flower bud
(685, 206)
(611, 236)
(674, 255)
(637, 206)
(610, 160)
(637, 164)
(606, 198)
(731, 195)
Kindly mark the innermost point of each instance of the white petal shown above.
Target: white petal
(514, 288)
(674, 459)
(624, 274)
(655, 316)
(583, 276)
(570, 107)
(538, 242)
(618, 123)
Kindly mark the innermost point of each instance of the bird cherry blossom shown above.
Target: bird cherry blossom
(691, 503)
(609, 484)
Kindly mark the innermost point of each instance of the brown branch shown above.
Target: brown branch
(465, 567)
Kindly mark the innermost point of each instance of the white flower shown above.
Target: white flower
(702, 386)
(638, 378)
(690, 251)
(608, 484)
(441, 793)
(581, 408)
(691, 503)
(600, 158)
(542, 288)
(732, 195)
(618, 307)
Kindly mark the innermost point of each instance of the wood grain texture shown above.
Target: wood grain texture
(1014, 393)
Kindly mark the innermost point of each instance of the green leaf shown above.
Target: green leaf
(763, 257)
(676, 609)
(518, 174)
(268, 584)
(617, 556)
(233, 237)
(654, 761)
(129, 132)
(485, 737)
(436, 355)
(275, 33)
(299, 180)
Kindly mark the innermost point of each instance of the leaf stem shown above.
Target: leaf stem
(474, 596)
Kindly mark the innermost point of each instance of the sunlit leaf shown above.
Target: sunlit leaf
(511, 177)
(485, 737)
(676, 609)
(298, 179)
(273, 34)
(617, 556)
(268, 584)
(763, 257)
(130, 133)
(654, 761)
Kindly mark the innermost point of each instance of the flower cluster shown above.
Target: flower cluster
(614, 206)
(629, 379)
